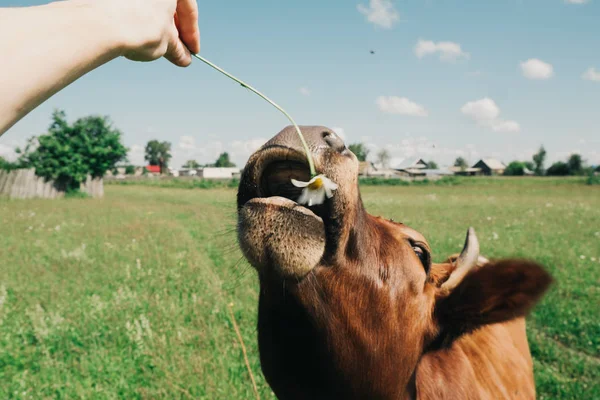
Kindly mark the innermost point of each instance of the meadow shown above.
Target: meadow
(130, 296)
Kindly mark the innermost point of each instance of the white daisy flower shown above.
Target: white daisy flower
(315, 190)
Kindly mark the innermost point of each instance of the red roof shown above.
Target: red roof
(155, 169)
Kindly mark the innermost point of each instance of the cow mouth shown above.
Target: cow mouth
(276, 182)
(276, 234)
(274, 169)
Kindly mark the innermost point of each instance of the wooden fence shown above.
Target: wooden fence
(25, 184)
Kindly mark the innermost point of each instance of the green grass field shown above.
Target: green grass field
(128, 297)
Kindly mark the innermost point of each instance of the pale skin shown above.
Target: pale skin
(46, 48)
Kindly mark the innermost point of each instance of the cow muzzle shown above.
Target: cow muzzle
(276, 234)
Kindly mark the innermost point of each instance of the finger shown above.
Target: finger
(187, 24)
(177, 52)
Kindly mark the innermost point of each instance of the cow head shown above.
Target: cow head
(350, 302)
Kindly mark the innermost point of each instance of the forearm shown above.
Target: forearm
(44, 49)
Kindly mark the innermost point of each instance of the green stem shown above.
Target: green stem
(311, 165)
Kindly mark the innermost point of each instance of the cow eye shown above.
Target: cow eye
(423, 255)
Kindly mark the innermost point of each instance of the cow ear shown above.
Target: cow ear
(495, 292)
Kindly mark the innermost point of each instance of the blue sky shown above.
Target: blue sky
(448, 78)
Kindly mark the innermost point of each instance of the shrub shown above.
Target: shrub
(593, 179)
(515, 168)
(7, 165)
(76, 194)
(559, 169)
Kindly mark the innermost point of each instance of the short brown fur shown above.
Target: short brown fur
(368, 320)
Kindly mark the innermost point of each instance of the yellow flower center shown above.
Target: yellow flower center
(316, 185)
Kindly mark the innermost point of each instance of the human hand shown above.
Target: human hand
(151, 29)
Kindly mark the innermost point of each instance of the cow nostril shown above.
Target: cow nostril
(334, 141)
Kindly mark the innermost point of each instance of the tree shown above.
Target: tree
(223, 161)
(192, 164)
(461, 162)
(67, 154)
(7, 165)
(538, 161)
(529, 165)
(515, 168)
(158, 153)
(360, 151)
(559, 169)
(432, 165)
(129, 170)
(575, 164)
(383, 158)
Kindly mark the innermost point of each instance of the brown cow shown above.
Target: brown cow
(351, 306)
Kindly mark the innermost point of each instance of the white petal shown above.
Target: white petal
(320, 195)
(328, 192)
(300, 184)
(303, 199)
(311, 198)
(332, 185)
(316, 198)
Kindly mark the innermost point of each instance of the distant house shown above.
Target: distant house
(211, 172)
(466, 171)
(437, 173)
(365, 168)
(490, 166)
(188, 172)
(412, 168)
(153, 169)
(218, 173)
(368, 169)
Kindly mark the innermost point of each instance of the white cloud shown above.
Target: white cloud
(537, 69)
(591, 75)
(448, 51)
(484, 109)
(380, 12)
(577, 1)
(305, 91)
(340, 132)
(487, 113)
(401, 106)
(241, 150)
(505, 126)
(187, 143)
